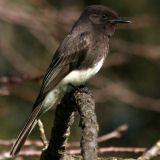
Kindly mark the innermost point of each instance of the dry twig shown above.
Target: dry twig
(151, 152)
(42, 134)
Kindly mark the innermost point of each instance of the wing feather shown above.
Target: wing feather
(69, 52)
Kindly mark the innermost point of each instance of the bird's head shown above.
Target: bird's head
(104, 18)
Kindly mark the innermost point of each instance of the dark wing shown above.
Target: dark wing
(70, 51)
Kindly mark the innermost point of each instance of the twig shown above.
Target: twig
(27, 152)
(111, 149)
(151, 152)
(114, 134)
(27, 143)
(42, 134)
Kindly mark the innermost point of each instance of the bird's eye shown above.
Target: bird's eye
(104, 16)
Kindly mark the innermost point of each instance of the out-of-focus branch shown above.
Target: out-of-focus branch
(116, 60)
(5, 155)
(44, 21)
(41, 4)
(106, 90)
(16, 60)
(110, 90)
(147, 20)
(17, 80)
(28, 93)
(49, 13)
(112, 149)
(30, 19)
(4, 91)
(114, 134)
(149, 52)
(10, 86)
(154, 151)
(27, 143)
(42, 24)
(26, 152)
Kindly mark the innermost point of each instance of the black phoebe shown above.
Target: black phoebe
(78, 58)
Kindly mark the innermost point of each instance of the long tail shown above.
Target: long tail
(30, 124)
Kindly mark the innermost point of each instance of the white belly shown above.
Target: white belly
(79, 77)
(76, 78)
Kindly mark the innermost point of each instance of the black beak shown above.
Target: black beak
(121, 20)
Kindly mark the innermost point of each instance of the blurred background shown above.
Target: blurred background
(126, 90)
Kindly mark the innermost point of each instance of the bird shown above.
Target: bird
(78, 58)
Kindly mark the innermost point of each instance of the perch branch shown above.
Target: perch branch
(88, 122)
(83, 100)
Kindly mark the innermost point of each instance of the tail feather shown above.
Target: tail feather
(21, 139)
(25, 131)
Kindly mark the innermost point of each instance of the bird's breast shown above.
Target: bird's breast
(78, 77)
